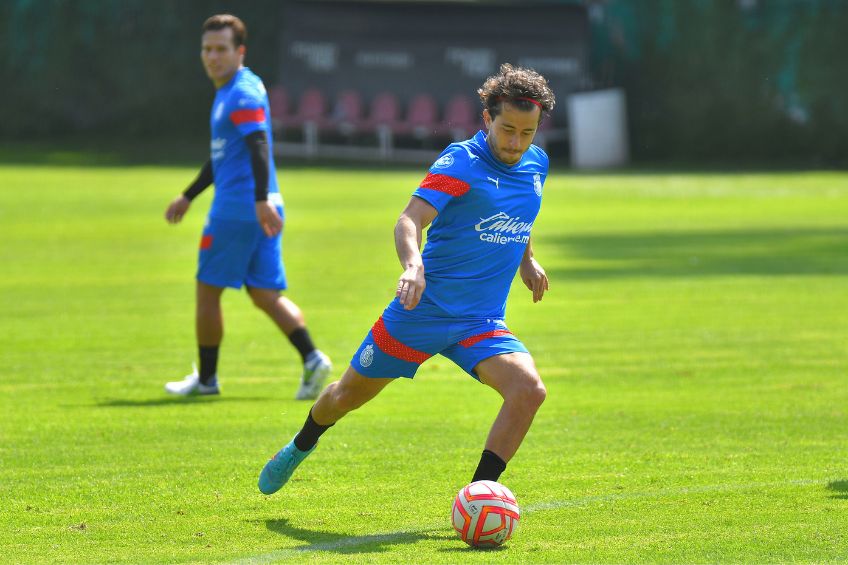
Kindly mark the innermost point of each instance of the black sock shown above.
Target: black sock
(490, 468)
(309, 434)
(301, 340)
(208, 362)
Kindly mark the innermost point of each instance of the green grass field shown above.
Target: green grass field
(694, 346)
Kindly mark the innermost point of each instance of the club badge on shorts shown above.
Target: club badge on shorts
(367, 356)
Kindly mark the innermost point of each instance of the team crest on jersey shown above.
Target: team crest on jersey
(444, 162)
(367, 356)
(537, 184)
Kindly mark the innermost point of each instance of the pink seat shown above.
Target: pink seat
(312, 108)
(348, 112)
(385, 112)
(278, 100)
(460, 120)
(421, 116)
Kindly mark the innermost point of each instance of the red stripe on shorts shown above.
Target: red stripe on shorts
(475, 339)
(240, 117)
(446, 184)
(206, 242)
(391, 346)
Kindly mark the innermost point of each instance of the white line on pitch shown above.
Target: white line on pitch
(529, 509)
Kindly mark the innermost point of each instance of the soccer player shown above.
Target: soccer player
(242, 239)
(479, 199)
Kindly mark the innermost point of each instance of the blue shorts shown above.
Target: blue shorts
(400, 341)
(237, 252)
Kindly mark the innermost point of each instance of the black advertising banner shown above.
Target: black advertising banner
(442, 49)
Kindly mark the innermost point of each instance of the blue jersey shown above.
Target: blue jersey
(475, 244)
(240, 108)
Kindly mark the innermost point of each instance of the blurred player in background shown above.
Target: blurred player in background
(242, 240)
(479, 199)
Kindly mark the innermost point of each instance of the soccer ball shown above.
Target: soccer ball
(485, 514)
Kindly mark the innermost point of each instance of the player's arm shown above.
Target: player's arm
(417, 215)
(533, 274)
(266, 213)
(179, 205)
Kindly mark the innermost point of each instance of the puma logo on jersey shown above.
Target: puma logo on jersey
(496, 181)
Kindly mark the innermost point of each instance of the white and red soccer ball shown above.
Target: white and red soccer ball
(485, 514)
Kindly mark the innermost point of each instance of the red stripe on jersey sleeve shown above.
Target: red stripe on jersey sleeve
(468, 342)
(240, 117)
(391, 346)
(446, 184)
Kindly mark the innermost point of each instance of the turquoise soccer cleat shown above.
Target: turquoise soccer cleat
(279, 469)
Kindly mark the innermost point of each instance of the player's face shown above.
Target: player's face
(511, 132)
(221, 58)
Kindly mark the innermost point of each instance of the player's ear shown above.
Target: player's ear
(487, 118)
(242, 49)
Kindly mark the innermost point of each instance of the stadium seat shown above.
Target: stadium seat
(384, 120)
(311, 115)
(278, 100)
(460, 120)
(312, 107)
(384, 111)
(421, 117)
(348, 116)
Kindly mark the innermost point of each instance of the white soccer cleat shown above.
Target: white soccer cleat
(315, 372)
(191, 385)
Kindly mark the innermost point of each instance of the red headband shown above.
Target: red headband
(536, 102)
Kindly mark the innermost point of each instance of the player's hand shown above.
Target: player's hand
(269, 218)
(411, 286)
(177, 209)
(534, 278)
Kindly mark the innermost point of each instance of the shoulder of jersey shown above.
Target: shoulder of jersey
(455, 159)
(250, 85)
(537, 155)
(542, 155)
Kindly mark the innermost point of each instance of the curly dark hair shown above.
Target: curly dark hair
(518, 86)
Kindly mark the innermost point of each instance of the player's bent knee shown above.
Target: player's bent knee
(538, 394)
(531, 392)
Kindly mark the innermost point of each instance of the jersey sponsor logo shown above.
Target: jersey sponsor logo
(537, 184)
(218, 145)
(444, 162)
(367, 356)
(502, 228)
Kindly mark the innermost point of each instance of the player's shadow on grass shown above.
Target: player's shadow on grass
(342, 543)
(839, 487)
(173, 401)
(704, 253)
